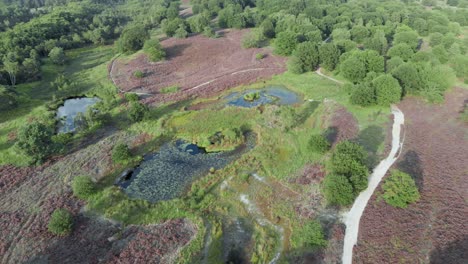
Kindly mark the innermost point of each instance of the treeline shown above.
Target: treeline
(386, 49)
(66, 25)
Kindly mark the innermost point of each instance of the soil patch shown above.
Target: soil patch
(434, 230)
(200, 66)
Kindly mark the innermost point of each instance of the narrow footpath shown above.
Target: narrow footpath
(352, 218)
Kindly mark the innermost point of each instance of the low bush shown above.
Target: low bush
(310, 235)
(137, 111)
(131, 97)
(260, 56)
(138, 74)
(400, 190)
(83, 187)
(338, 190)
(252, 96)
(121, 153)
(318, 143)
(170, 89)
(61, 222)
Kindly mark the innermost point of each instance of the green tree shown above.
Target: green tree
(121, 153)
(154, 50)
(346, 156)
(401, 50)
(286, 43)
(305, 58)
(61, 222)
(407, 37)
(400, 190)
(353, 69)
(440, 53)
(35, 140)
(408, 77)
(83, 187)
(11, 66)
(363, 94)
(253, 39)
(57, 56)
(181, 32)
(435, 39)
(329, 56)
(359, 33)
(393, 63)
(338, 190)
(387, 90)
(31, 69)
(132, 39)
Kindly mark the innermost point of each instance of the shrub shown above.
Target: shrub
(154, 50)
(131, 97)
(181, 32)
(121, 153)
(57, 56)
(138, 74)
(170, 89)
(35, 140)
(254, 39)
(83, 187)
(137, 111)
(286, 43)
(400, 189)
(318, 143)
(260, 56)
(338, 190)
(60, 222)
(252, 96)
(310, 235)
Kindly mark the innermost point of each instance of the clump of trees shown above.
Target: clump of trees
(137, 111)
(349, 174)
(305, 58)
(400, 190)
(132, 39)
(61, 222)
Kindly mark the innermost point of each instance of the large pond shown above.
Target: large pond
(67, 113)
(167, 173)
(269, 95)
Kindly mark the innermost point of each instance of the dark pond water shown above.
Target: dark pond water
(167, 173)
(66, 114)
(268, 95)
(237, 240)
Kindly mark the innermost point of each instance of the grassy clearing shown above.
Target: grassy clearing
(170, 89)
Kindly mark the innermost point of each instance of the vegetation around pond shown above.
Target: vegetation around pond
(309, 156)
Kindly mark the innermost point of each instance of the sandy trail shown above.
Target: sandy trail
(353, 217)
(319, 72)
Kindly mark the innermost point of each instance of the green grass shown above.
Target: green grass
(170, 89)
(86, 67)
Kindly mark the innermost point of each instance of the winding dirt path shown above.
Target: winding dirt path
(353, 217)
(319, 72)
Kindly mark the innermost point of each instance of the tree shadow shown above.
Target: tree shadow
(370, 139)
(455, 252)
(331, 134)
(308, 110)
(175, 50)
(411, 164)
(237, 236)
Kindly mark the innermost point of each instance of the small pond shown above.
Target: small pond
(167, 173)
(269, 95)
(69, 110)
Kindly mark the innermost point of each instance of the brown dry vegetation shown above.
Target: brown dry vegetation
(200, 66)
(435, 229)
